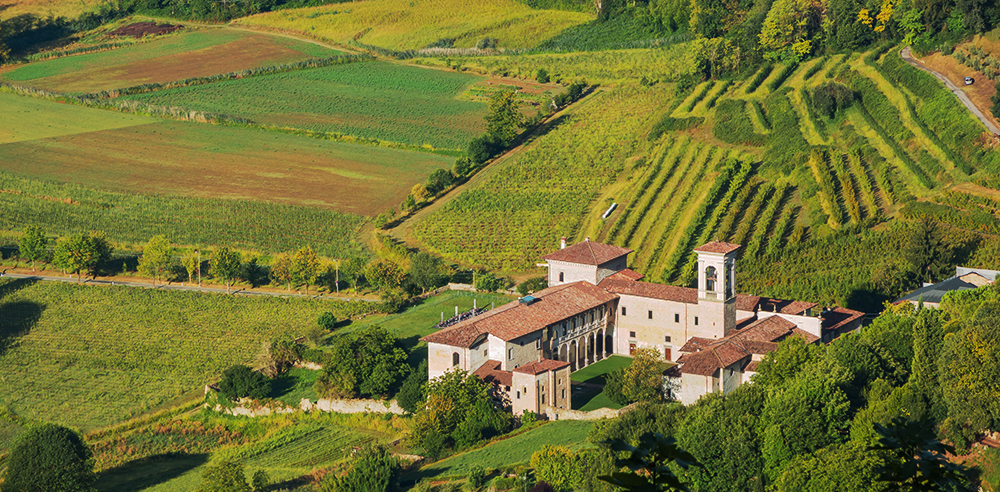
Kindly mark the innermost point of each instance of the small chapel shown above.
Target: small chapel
(595, 306)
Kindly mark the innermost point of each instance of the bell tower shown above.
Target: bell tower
(717, 287)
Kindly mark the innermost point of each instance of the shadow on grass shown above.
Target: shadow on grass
(144, 473)
(17, 318)
(583, 394)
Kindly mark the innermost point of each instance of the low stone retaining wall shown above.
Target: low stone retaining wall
(567, 414)
(352, 406)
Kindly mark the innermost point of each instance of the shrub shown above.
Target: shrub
(542, 76)
(327, 321)
(243, 382)
(482, 148)
(375, 470)
(411, 394)
(758, 78)
(533, 284)
(50, 457)
(831, 97)
(528, 418)
(477, 476)
(224, 477)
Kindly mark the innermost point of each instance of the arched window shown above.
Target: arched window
(454, 359)
(710, 278)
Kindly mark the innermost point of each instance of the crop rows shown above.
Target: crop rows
(832, 71)
(652, 186)
(715, 97)
(767, 218)
(698, 96)
(749, 215)
(979, 60)
(733, 124)
(972, 219)
(816, 67)
(782, 75)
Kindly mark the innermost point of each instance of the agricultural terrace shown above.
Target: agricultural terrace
(374, 100)
(92, 356)
(597, 67)
(518, 211)
(183, 159)
(407, 25)
(185, 54)
(752, 162)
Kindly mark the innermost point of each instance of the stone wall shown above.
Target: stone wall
(351, 406)
(566, 414)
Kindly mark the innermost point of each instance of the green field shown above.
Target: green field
(591, 398)
(375, 100)
(511, 451)
(27, 119)
(189, 53)
(93, 356)
(403, 24)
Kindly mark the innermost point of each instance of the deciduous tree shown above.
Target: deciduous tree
(33, 245)
(425, 271)
(191, 260)
(504, 120)
(80, 252)
(225, 476)
(305, 266)
(156, 257)
(281, 270)
(383, 274)
(226, 265)
(50, 457)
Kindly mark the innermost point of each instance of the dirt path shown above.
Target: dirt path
(954, 90)
(404, 231)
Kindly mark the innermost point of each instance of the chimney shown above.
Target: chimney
(562, 244)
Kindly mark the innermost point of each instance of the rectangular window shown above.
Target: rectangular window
(650, 315)
(564, 393)
(538, 343)
(696, 321)
(486, 352)
(623, 310)
(666, 338)
(677, 318)
(518, 395)
(510, 352)
(631, 334)
(543, 399)
(561, 276)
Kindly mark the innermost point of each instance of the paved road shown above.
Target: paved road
(190, 288)
(959, 93)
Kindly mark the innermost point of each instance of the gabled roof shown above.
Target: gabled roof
(770, 305)
(650, 290)
(490, 372)
(717, 247)
(588, 253)
(745, 302)
(544, 365)
(758, 337)
(839, 317)
(514, 319)
(626, 274)
(933, 293)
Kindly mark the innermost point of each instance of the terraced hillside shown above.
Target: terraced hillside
(755, 161)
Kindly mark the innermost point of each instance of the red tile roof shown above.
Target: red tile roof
(782, 306)
(694, 344)
(717, 247)
(514, 320)
(650, 290)
(544, 365)
(490, 372)
(839, 317)
(588, 253)
(758, 337)
(752, 366)
(626, 274)
(746, 302)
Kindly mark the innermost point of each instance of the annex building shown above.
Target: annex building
(596, 306)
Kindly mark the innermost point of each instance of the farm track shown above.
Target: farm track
(404, 230)
(189, 288)
(962, 97)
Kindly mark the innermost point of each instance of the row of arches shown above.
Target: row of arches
(586, 350)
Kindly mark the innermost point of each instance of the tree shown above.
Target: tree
(411, 394)
(542, 76)
(243, 382)
(918, 461)
(649, 464)
(833, 469)
(425, 271)
(375, 470)
(928, 251)
(281, 270)
(305, 266)
(439, 180)
(554, 465)
(225, 476)
(789, 28)
(33, 245)
(156, 257)
(225, 265)
(383, 274)
(482, 148)
(261, 481)
(504, 120)
(453, 399)
(327, 321)
(352, 271)
(367, 362)
(783, 364)
(80, 252)
(642, 380)
(533, 284)
(192, 263)
(50, 457)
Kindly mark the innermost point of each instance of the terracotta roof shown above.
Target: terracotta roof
(769, 329)
(694, 344)
(626, 274)
(650, 290)
(759, 348)
(805, 335)
(745, 322)
(752, 366)
(514, 320)
(588, 253)
(544, 365)
(490, 372)
(839, 317)
(785, 307)
(717, 247)
(746, 302)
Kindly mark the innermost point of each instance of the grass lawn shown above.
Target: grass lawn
(93, 356)
(508, 452)
(190, 53)
(420, 320)
(188, 159)
(375, 100)
(294, 385)
(591, 395)
(403, 24)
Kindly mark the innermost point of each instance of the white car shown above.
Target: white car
(969, 81)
